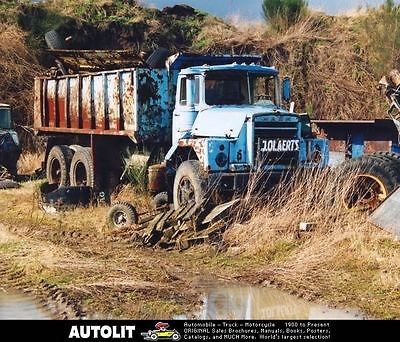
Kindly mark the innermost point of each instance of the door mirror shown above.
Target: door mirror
(286, 89)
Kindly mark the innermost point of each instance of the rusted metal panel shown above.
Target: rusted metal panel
(113, 104)
(132, 102)
(87, 102)
(375, 146)
(38, 101)
(61, 105)
(73, 102)
(50, 107)
(337, 145)
(128, 100)
(153, 116)
(98, 96)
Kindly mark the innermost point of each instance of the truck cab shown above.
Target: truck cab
(228, 123)
(9, 143)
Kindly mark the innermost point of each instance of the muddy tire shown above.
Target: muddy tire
(58, 164)
(372, 180)
(190, 184)
(160, 200)
(122, 215)
(82, 168)
(8, 184)
(53, 40)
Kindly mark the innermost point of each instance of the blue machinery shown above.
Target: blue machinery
(355, 138)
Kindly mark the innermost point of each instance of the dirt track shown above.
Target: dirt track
(71, 259)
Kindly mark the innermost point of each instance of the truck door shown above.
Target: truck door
(186, 107)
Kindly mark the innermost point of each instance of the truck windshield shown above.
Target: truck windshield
(5, 118)
(232, 88)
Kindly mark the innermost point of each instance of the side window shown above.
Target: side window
(182, 96)
(197, 90)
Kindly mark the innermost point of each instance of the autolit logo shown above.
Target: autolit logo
(161, 332)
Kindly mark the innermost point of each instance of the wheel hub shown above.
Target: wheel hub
(367, 192)
(185, 191)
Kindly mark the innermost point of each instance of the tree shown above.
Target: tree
(287, 11)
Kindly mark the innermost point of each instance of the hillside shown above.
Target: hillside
(335, 63)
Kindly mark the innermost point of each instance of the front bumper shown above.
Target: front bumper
(232, 182)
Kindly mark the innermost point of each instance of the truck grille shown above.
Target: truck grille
(276, 143)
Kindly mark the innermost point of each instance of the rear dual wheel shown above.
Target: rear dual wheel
(82, 169)
(372, 179)
(58, 165)
(66, 167)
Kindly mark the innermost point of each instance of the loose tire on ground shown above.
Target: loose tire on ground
(160, 200)
(82, 168)
(122, 215)
(58, 165)
(190, 184)
(372, 179)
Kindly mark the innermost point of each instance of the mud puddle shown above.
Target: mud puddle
(16, 305)
(249, 302)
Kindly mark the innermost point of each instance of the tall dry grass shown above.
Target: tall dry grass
(342, 259)
(334, 74)
(18, 67)
(29, 162)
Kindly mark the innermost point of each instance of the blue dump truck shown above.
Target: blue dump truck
(221, 121)
(218, 118)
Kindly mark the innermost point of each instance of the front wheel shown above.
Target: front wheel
(190, 184)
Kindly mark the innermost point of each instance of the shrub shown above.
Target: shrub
(283, 13)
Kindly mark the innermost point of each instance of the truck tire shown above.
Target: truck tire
(157, 59)
(53, 40)
(58, 164)
(160, 200)
(190, 184)
(372, 180)
(122, 215)
(82, 168)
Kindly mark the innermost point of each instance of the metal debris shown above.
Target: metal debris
(192, 224)
(386, 215)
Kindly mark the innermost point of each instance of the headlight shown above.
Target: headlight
(221, 159)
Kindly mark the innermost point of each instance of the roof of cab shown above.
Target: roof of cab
(251, 68)
(4, 105)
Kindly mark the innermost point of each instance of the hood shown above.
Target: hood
(226, 121)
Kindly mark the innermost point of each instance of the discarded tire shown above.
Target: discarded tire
(122, 215)
(82, 168)
(8, 184)
(160, 200)
(58, 164)
(372, 180)
(65, 195)
(53, 40)
(157, 59)
(190, 184)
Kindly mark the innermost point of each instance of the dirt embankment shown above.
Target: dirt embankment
(334, 62)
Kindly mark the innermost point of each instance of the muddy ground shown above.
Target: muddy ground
(84, 270)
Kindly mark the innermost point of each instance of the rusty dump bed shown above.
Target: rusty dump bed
(129, 102)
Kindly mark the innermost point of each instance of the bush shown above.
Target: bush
(283, 13)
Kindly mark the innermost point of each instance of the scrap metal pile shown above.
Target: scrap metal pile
(168, 228)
